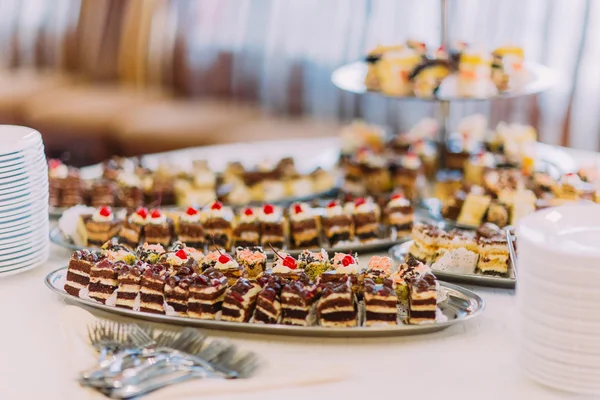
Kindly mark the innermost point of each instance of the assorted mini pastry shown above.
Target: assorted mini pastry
(411, 69)
(314, 289)
(484, 251)
(125, 183)
(338, 223)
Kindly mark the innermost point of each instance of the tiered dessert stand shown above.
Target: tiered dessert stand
(351, 78)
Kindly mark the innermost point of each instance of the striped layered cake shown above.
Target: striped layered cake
(268, 302)
(103, 280)
(130, 279)
(337, 305)
(240, 300)
(304, 227)
(381, 303)
(425, 242)
(152, 297)
(422, 301)
(493, 255)
(177, 289)
(206, 294)
(297, 300)
(78, 273)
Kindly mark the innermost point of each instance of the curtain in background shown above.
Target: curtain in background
(281, 54)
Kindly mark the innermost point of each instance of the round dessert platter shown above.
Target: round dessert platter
(457, 306)
(401, 252)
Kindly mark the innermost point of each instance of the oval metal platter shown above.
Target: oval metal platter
(461, 305)
(399, 253)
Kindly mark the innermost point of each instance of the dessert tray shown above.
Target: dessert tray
(400, 253)
(457, 306)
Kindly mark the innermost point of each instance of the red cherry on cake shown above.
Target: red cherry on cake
(224, 258)
(289, 262)
(348, 260)
(104, 211)
(332, 204)
(142, 212)
(217, 205)
(191, 211)
(359, 201)
(248, 212)
(268, 209)
(297, 208)
(397, 196)
(54, 163)
(181, 254)
(155, 213)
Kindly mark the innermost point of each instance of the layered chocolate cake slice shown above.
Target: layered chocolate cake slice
(132, 231)
(158, 228)
(102, 193)
(345, 267)
(400, 214)
(304, 227)
(297, 300)
(206, 294)
(190, 230)
(272, 226)
(78, 273)
(413, 268)
(130, 279)
(286, 267)
(493, 255)
(381, 303)
(103, 280)
(366, 220)
(229, 267)
(268, 302)
(175, 260)
(152, 297)
(129, 192)
(247, 229)
(57, 172)
(177, 289)
(337, 225)
(72, 189)
(218, 226)
(337, 305)
(240, 300)
(379, 269)
(422, 304)
(425, 242)
(253, 260)
(99, 227)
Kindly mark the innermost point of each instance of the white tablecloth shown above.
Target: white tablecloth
(475, 360)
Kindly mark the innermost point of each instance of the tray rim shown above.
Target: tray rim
(469, 279)
(283, 330)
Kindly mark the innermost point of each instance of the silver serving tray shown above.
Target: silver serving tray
(399, 253)
(57, 237)
(461, 305)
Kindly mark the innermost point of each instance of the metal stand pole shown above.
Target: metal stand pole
(444, 105)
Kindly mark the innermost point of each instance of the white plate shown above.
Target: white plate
(22, 245)
(26, 263)
(582, 327)
(578, 374)
(21, 241)
(19, 155)
(18, 255)
(574, 356)
(556, 341)
(21, 209)
(23, 221)
(19, 202)
(15, 138)
(23, 230)
(529, 326)
(27, 179)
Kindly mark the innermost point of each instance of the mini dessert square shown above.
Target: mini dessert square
(129, 192)
(272, 226)
(422, 299)
(240, 301)
(268, 302)
(78, 273)
(180, 259)
(493, 255)
(132, 231)
(210, 260)
(406, 171)
(152, 298)
(474, 209)
(379, 269)
(401, 278)
(190, 229)
(425, 242)
(99, 227)
(149, 253)
(400, 214)
(314, 263)
(229, 267)
(381, 303)
(337, 226)
(304, 226)
(286, 267)
(206, 294)
(158, 228)
(247, 229)
(103, 280)
(177, 290)
(297, 301)
(117, 252)
(102, 193)
(218, 226)
(366, 216)
(344, 266)
(337, 305)
(72, 189)
(130, 279)
(253, 260)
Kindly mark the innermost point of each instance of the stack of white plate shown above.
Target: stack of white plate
(24, 242)
(558, 297)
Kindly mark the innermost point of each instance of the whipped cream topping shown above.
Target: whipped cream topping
(60, 171)
(340, 268)
(231, 264)
(275, 216)
(278, 266)
(98, 217)
(194, 253)
(224, 212)
(191, 219)
(305, 212)
(399, 202)
(161, 219)
(173, 259)
(365, 208)
(334, 211)
(129, 179)
(248, 218)
(411, 161)
(118, 255)
(138, 219)
(349, 208)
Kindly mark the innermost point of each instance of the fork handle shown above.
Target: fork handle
(159, 381)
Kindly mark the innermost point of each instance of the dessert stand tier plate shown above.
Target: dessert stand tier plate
(460, 306)
(351, 78)
(58, 237)
(400, 252)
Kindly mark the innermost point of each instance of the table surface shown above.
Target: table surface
(472, 360)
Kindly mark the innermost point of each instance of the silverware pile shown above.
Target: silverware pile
(134, 361)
